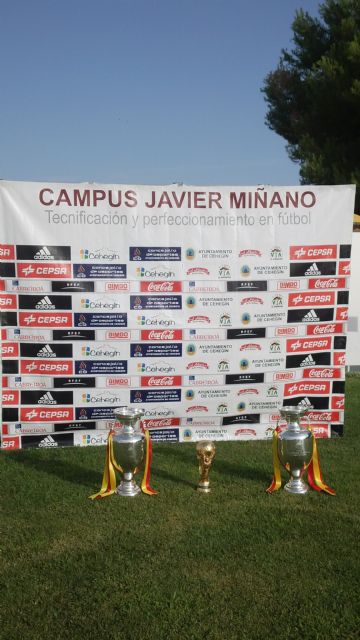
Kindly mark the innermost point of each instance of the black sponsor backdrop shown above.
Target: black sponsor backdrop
(47, 350)
(75, 426)
(74, 383)
(42, 252)
(7, 270)
(73, 334)
(247, 285)
(317, 358)
(72, 286)
(8, 318)
(311, 269)
(46, 302)
(48, 441)
(47, 398)
(243, 334)
(345, 250)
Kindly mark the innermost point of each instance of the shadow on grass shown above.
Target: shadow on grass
(63, 469)
(220, 465)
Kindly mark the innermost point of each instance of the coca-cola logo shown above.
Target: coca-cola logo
(321, 373)
(162, 286)
(162, 335)
(328, 283)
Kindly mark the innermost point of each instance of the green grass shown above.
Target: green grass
(234, 564)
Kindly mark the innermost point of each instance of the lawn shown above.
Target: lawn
(237, 563)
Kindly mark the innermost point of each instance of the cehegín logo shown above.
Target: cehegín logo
(103, 351)
(244, 364)
(155, 272)
(245, 270)
(190, 254)
(156, 321)
(102, 303)
(99, 254)
(191, 349)
(225, 320)
(157, 367)
(190, 302)
(107, 398)
(245, 318)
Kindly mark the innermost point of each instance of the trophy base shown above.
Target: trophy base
(203, 487)
(296, 486)
(128, 489)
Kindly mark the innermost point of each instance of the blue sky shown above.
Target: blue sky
(142, 91)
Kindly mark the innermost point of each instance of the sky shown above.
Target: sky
(142, 91)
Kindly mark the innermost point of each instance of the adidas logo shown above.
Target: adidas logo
(47, 399)
(313, 270)
(48, 442)
(46, 352)
(311, 317)
(305, 403)
(45, 303)
(43, 254)
(308, 362)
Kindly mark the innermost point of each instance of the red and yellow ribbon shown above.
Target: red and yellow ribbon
(108, 485)
(315, 477)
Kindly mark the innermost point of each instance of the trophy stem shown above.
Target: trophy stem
(128, 486)
(296, 484)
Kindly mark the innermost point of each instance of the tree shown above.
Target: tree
(313, 96)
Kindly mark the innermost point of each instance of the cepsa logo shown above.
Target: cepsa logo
(7, 252)
(43, 270)
(321, 430)
(344, 268)
(339, 358)
(342, 313)
(10, 442)
(49, 367)
(10, 349)
(309, 252)
(36, 319)
(308, 388)
(160, 286)
(304, 344)
(10, 397)
(312, 299)
(36, 414)
(8, 301)
(338, 402)
(160, 381)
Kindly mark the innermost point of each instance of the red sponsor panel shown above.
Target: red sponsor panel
(326, 373)
(47, 367)
(161, 286)
(3, 334)
(2, 285)
(324, 329)
(10, 397)
(286, 331)
(160, 381)
(8, 301)
(161, 334)
(160, 423)
(344, 268)
(308, 344)
(43, 270)
(308, 388)
(310, 252)
(338, 402)
(4, 382)
(327, 283)
(46, 414)
(40, 319)
(7, 252)
(324, 416)
(10, 350)
(339, 358)
(342, 313)
(321, 430)
(10, 442)
(5, 430)
(304, 299)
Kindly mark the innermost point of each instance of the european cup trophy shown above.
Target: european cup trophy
(128, 443)
(205, 452)
(295, 448)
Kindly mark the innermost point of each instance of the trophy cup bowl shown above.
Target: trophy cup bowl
(295, 448)
(128, 445)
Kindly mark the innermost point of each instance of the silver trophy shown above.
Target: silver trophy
(295, 448)
(128, 445)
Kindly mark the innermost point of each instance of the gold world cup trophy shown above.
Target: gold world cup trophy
(205, 452)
